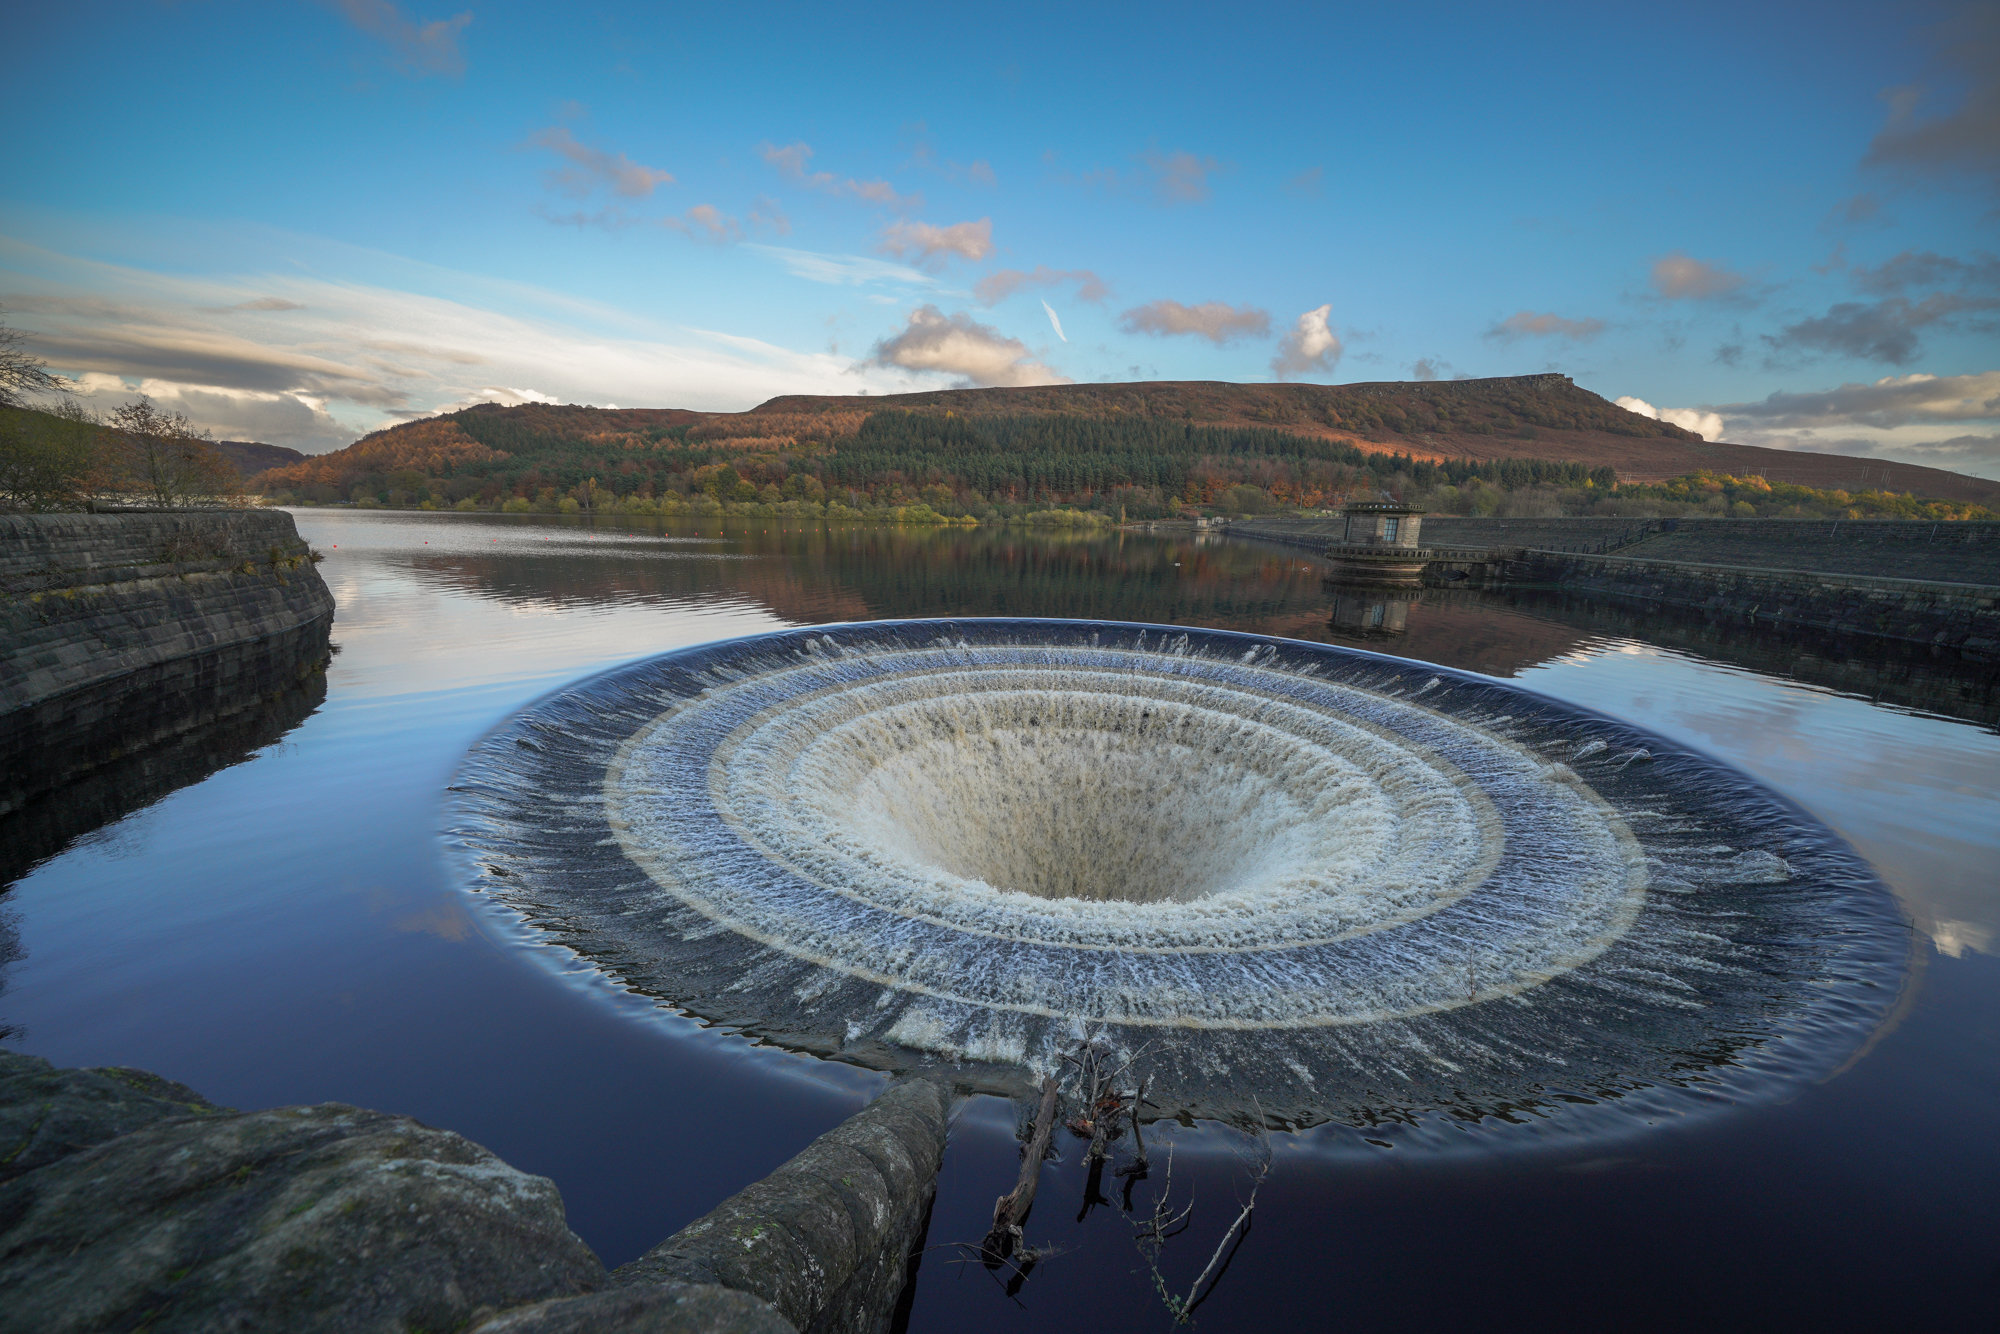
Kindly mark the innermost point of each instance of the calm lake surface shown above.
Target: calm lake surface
(285, 930)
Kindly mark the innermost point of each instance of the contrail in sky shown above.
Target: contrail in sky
(1053, 320)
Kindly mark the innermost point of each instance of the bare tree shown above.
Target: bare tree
(162, 457)
(20, 372)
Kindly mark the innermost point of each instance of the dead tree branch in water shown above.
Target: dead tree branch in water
(1011, 1209)
(1166, 1223)
(1097, 1089)
(1010, 1273)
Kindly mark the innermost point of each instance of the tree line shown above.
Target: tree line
(984, 466)
(68, 457)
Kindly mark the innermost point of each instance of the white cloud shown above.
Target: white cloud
(298, 420)
(1529, 324)
(1942, 421)
(843, 270)
(430, 48)
(592, 167)
(1054, 322)
(1310, 345)
(507, 396)
(319, 371)
(791, 163)
(997, 286)
(928, 243)
(959, 345)
(1681, 277)
(706, 222)
(1894, 400)
(1707, 425)
(1217, 321)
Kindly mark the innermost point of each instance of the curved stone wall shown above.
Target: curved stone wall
(120, 630)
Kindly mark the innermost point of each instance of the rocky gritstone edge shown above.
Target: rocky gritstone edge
(1606, 929)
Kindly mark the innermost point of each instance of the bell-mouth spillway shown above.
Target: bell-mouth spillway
(1306, 883)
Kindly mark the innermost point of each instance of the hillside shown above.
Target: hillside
(1527, 416)
(250, 457)
(1146, 450)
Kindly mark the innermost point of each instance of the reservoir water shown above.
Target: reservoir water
(287, 928)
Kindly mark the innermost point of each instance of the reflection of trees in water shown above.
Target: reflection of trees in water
(823, 573)
(816, 573)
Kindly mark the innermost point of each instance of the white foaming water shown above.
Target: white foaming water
(1085, 814)
(1305, 881)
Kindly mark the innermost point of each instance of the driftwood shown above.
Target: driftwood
(1010, 1211)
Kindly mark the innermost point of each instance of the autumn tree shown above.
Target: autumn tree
(161, 456)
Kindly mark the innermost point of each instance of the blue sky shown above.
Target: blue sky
(298, 220)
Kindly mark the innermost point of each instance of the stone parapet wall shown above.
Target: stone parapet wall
(1958, 552)
(118, 630)
(1961, 617)
(41, 552)
(1592, 533)
(826, 1239)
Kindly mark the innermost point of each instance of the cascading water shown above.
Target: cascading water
(1308, 883)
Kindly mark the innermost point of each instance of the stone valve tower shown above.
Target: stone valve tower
(1378, 544)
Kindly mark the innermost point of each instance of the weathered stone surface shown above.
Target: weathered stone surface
(118, 630)
(46, 1113)
(824, 1239)
(299, 1219)
(666, 1308)
(128, 1201)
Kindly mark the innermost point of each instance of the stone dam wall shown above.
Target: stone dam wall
(118, 631)
(1910, 581)
(1956, 552)
(1964, 618)
(128, 1201)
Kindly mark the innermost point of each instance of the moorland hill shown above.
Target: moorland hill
(1145, 449)
(1544, 416)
